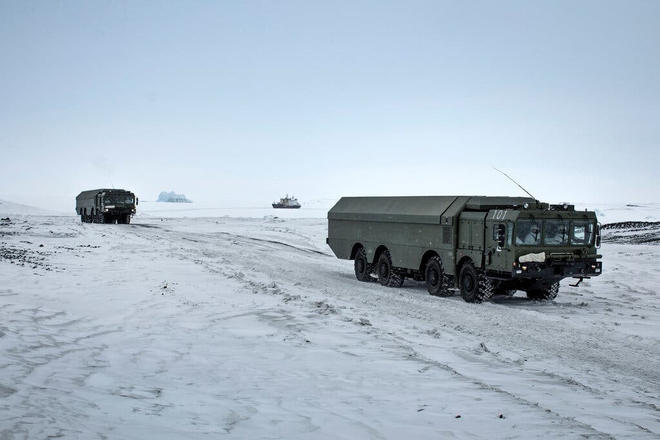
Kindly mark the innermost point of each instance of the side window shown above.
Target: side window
(503, 234)
(509, 238)
(499, 234)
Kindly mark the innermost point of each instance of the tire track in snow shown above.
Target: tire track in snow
(498, 325)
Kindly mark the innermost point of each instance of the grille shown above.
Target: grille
(446, 235)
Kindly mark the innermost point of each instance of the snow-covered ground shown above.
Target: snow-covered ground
(220, 325)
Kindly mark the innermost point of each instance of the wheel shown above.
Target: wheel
(362, 267)
(544, 294)
(436, 281)
(128, 219)
(386, 274)
(474, 285)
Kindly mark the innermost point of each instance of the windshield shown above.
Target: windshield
(554, 232)
(118, 199)
(528, 232)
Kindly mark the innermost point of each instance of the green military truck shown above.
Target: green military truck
(106, 206)
(481, 245)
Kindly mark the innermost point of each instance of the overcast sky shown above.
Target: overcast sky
(245, 101)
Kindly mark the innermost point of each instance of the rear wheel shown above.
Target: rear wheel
(436, 281)
(362, 267)
(387, 276)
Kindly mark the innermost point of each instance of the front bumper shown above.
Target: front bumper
(118, 211)
(557, 269)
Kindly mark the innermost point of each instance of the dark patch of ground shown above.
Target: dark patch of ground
(631, 232)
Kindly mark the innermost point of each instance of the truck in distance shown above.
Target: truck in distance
(481, 245)
(106, 206)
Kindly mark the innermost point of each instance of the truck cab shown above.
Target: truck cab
(532, 249)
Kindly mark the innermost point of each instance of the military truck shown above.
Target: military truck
(482, 246)
(106, 206)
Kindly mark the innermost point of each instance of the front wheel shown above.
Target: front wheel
(474, 286)
(544, 294)
(386, 274)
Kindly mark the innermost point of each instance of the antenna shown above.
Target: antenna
(520, 186)
(113, 185)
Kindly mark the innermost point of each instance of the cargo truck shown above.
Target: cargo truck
(106, 206)
(480, 245)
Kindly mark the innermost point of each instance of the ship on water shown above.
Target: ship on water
(287, 203)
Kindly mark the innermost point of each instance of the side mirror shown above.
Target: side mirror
(598, 236)
(137, 201)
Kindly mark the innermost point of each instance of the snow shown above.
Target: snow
(240, 323)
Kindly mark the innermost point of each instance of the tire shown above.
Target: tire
(436, 280)
(362, 267)
(475, 288)
(544, 294)
(386, 273)
(128, 219)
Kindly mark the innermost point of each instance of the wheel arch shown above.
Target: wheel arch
(355, 249)
(425, 259)
(462, 262)
(379, 250)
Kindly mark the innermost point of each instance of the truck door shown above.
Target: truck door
(499, 240)
(471, 240)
